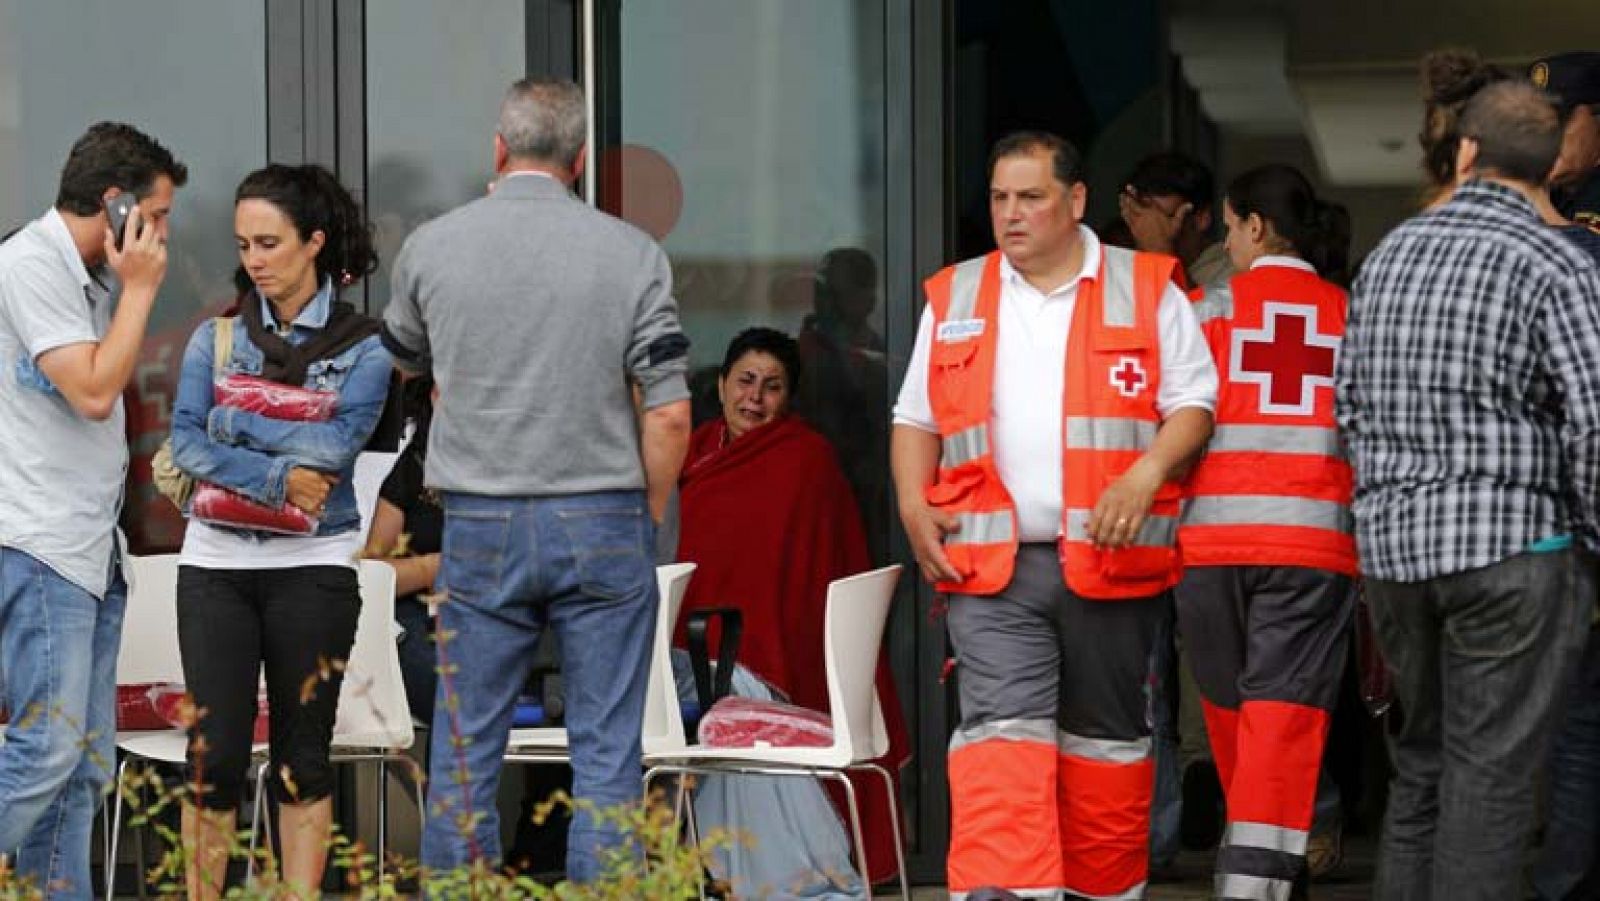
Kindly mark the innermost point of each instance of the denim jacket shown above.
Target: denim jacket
(252, 454)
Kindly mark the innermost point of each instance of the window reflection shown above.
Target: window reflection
(58, 76)
(753, 149)
(435, 76)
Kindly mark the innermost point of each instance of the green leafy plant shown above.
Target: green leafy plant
(652, 861)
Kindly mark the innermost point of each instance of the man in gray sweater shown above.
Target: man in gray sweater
(537, 315)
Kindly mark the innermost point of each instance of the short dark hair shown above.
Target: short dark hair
(1282, 196)
(1066, 161)
(1175, 174)
(113, 155)
(312, 198)
(1518, 130)
(770, 341)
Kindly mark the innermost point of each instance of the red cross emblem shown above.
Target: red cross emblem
(1127, 376)
(1287, 357)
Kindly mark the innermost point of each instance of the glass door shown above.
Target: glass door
(766, 144)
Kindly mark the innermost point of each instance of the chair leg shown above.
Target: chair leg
(686, 797)
(894, 820)
(115, 824)
(140, 877)
(422, 802)
(383, 815)
(139, 860)
(255, 818)
(682, 807)
(856, 835)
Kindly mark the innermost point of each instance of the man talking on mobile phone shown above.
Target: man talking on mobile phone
(74, 305)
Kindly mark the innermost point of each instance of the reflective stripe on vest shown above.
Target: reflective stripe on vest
(1266, 510)
(1117, 304)
(1041, 731)
(964, 446)
(1267, 837)
(1155, 531)
(1216, 304)
(1278, 439)
(964, 290)
(1109, 433)
(1234, 887)
(983, 528)
(1103, 750)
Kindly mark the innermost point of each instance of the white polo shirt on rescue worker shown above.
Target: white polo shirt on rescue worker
(1029, 383)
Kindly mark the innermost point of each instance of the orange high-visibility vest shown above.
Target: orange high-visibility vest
(1274, 486)
(1109, 418)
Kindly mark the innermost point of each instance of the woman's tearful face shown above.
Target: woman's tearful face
(753, 393)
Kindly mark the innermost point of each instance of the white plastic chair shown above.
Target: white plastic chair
(148, 654)
(663, 722)
(857, 608)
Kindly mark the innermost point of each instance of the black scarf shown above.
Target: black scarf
(285, 362)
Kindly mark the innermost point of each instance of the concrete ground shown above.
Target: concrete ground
(1352, 881)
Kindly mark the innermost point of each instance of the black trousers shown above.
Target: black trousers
(299, 624)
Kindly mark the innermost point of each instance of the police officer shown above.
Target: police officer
(1574, 78)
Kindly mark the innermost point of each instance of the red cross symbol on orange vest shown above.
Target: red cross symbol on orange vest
(1127, 376)
(1287, 358)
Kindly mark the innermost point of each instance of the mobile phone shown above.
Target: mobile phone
(117, 210)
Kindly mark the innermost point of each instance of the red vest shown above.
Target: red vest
(1109, 418)
(1274, 487)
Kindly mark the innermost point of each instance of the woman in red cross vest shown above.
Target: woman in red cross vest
(1265, 602)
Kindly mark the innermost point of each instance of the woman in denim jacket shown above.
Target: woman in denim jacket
(250, 599)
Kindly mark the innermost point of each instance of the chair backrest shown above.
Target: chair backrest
(372, 701)
(663, 720)
(371, 469)
(149, 650)
(858, 606)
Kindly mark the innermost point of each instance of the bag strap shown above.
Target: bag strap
(709, 687)
(221, 343)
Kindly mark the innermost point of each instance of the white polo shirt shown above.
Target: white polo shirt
(61, 475)
(1029, 383)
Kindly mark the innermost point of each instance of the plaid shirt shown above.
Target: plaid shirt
(1468, 388)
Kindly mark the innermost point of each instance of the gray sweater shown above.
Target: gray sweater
(535, 312)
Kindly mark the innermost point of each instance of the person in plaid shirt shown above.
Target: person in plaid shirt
(1466, 393)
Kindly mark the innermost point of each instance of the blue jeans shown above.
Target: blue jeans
(1166, 799)
(58, 650)
(1569, 864)
(1480, 660)
(584, 565)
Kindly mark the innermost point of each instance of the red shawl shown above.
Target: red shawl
(771, 521)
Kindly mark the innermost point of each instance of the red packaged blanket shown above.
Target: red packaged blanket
(221, 507)
(177, 710)
(736, 722)
(136, 706)
(275, 401)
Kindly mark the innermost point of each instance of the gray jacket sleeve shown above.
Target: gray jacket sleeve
(405, 332)
(658, 355)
